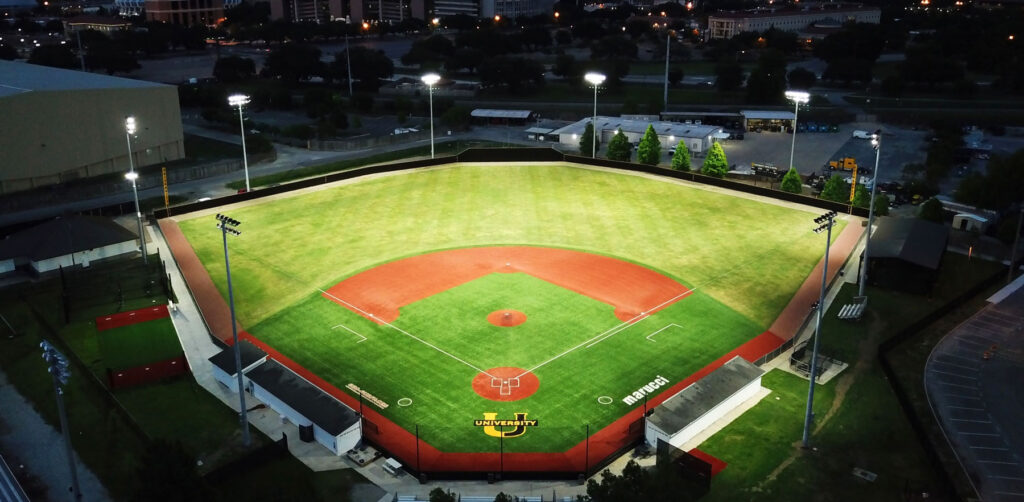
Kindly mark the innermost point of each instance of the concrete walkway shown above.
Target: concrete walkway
(39, 448)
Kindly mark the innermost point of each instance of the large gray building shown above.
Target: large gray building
(59, 125)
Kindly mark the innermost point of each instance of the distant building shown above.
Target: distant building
(730, 24)
(102, 24)
(65, 242)
(186, 12)
(698, 137)
(59, 125)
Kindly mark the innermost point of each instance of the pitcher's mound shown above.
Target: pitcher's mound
(506, 318)
(505, 384)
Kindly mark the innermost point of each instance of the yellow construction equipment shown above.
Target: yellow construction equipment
(843, 164)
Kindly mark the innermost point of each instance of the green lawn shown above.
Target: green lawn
(718, 244)
(392, 365)
(138, 344)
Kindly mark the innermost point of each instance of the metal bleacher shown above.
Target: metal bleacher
(854, 311)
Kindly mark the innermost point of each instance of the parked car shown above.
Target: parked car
(862, 134)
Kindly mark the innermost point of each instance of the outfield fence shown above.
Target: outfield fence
(501, 156)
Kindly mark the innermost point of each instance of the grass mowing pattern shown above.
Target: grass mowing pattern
(750, 255)
(745, 259)
(138, 344)
(392, 365)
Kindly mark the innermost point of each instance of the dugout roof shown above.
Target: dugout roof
(249, 353)
(302, 396)
(62, 236)
(693, 402)
(910, 239)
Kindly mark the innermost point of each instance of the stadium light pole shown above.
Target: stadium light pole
(227, 226)
(876, 142)
(668, 48)
(596, 79)
(57, 366)
(430, 79)
(131, 175)
(796, 97)
(825, 223)
(348, 63)
(239, 100)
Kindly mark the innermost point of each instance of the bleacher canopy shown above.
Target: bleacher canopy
(501, 114)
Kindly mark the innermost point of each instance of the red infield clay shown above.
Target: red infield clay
(506, 318)
(717, 464)
(505, 384)
(131, 317)
(378, 293)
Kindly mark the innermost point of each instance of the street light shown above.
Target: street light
(348, 63)
(131, 175)
(825, 223)
(239, 100)
(57, 366)
(430, 79)
(876, 142)
(596, 79)
(227, 226)
(796, 97)
(668, 48)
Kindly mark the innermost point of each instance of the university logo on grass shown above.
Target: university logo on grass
(490, 423)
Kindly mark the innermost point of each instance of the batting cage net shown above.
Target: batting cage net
(113, 286)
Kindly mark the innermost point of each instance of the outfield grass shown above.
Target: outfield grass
(720, 244)
(716, 244)
(139, 343)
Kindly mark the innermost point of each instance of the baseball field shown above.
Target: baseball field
(512, 307)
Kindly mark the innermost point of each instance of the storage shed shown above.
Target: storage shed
(65, 242)
(319, 416)
(906, 254)
(693, 409)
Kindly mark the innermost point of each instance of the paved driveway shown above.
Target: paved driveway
(975, 384)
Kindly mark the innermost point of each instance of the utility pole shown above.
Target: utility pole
(668, 47)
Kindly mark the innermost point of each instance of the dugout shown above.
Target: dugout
(224, 364)
(681, 417)
(906, 254)
(319, 416)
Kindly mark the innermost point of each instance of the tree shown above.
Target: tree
(802, 78)
(619, 148)
(456, 117)
(861, 196)
(110, 57)
(792, 182)
(517, 74)
(439, 495)
(715, 164)
(681, 157)
(836, 190)
(587, 146)
(57, 56)
(932, 210)
(466, 58)
(675, 75)
(368, 66)
(502, 497)
(232, 69)
(649, 150)
(293, 62)
(728, 76)
(767, 82)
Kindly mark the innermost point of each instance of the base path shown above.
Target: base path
(634, 291)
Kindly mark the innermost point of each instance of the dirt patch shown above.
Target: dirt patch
(505, 384)
(378, 293)
(506, 318)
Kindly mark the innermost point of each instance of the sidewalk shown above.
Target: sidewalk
(39, 448)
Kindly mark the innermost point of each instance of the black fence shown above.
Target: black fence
(499, 155)
(916, 421)
(113, 286)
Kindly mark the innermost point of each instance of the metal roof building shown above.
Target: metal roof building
(906, 253)
(698, 137)
(64, 242)
(60, 125)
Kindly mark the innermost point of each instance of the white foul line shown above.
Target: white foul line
(404, 332)
(346, 328)
(648, 337)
